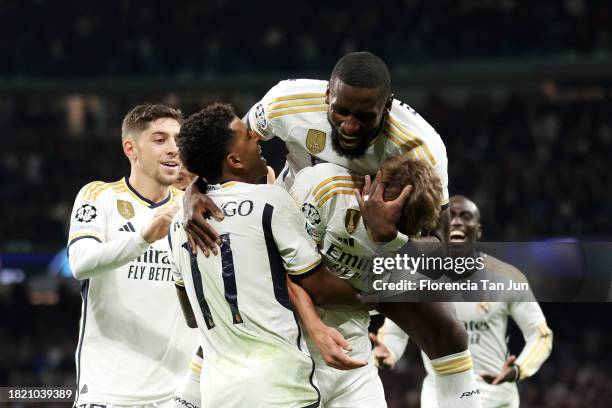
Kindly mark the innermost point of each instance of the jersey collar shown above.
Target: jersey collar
(143, 199)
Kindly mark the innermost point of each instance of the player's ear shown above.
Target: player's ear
(479, 231)
(233, 161)
(389, 104)
(129, 148)
(327, 94)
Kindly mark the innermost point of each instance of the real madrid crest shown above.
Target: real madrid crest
(315, 141)
(351, 220)
(125, 208)
(483, 307)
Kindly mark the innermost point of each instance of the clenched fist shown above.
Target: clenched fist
(158, 227)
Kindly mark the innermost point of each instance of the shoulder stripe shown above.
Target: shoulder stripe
(91, 187)
(410, 136)
(100, 189)
(276, 106)
(298, 110)
(334, 193)
(408, 144)
(355, 179)
(334, 186)
(296, 96)
(406, 148)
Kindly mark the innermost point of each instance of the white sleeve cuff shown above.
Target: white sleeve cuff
(396, 243)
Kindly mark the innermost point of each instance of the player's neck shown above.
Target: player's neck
(226, 177)
(148, 188)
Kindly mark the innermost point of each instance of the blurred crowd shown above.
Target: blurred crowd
(45, 38)
(39, 350)
(537, 167)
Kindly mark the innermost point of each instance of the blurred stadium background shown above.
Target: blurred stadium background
(519, 91)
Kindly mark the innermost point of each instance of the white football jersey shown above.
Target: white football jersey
(332, 218)
(134, 343)
(296, 112)
(486, 324)
(251, 339)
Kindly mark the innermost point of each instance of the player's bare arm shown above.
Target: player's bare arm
(330, 291)
(328, 340)
(198, 207)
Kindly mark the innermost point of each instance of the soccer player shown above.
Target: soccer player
(486, 323)
(253, 352)
(353, 121)
(334, 219)
(134, 344)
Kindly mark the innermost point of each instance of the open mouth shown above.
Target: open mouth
(170, 164)
(457, 236)
(347, 141)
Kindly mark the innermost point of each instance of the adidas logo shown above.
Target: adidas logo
(84, 390)
(128, 227)
(348, 241)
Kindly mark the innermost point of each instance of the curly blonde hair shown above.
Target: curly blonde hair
(422, 208)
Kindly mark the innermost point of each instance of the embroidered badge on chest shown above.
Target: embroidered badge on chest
(315, 141)
(125, 209)
(351, 219)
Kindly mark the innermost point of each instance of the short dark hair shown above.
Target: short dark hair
(204, 139)
(363, 70)
(139, 118)
(422, 209)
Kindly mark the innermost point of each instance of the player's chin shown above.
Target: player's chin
(168, 178)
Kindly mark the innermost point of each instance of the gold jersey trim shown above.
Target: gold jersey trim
(295, 111)
(277, 106)
(336, 186)
(406, 135)
(355, 179)
(306, 269)
(332, 194)
(311, 95)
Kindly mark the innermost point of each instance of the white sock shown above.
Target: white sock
(456, 381)
(187, 395)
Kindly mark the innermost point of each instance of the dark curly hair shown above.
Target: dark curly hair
(422, 209)
(204, 139)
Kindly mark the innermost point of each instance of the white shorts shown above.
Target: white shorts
(281, 382)
(357, 388)
(491, 396)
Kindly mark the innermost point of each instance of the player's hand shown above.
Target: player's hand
(159, 224)
(332, 345)
(508, 373)
(197, 208)
(271, 176)
(380, 216)
(382, 356)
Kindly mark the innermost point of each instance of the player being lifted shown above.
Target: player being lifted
(253, 351)
(335, 219)
(352, 121)
(487, 324)
(134, 344)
